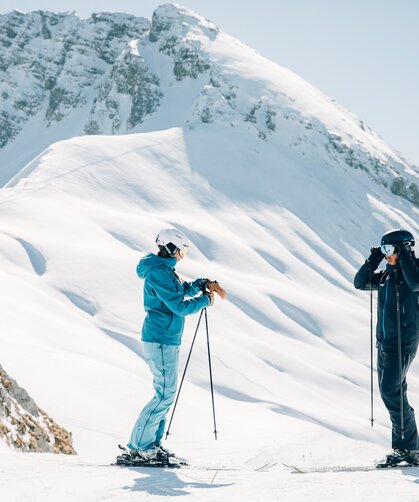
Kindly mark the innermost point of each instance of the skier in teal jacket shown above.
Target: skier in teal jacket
(166, 308)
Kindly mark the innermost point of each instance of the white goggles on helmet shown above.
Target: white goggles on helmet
(184, 251)
(171, 248)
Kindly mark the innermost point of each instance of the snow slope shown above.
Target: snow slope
(282, 228)
(290, 346)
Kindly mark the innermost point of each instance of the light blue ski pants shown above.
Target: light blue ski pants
(149, 428)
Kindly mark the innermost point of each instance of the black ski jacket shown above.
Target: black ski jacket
(406, 273)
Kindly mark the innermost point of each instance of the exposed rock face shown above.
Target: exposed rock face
(53, 64)
(174, 28)
(406, 189)
(26, 427)
(116, 73)
(131, 77)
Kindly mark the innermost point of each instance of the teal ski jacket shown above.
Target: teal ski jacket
(164, 300)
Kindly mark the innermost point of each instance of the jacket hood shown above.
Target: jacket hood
(151, 260)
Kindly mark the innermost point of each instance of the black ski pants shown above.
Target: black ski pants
(389, 385)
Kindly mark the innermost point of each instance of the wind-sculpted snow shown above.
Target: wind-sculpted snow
(82, 303)
(36, 258)
(292, 340)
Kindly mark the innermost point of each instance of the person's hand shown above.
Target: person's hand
(376, 252)
(213, 286)
(406, 247)
(210, 296)
(375, 257)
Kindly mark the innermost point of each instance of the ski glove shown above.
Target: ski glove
(213, 286)
(405, 247)
(375, 258)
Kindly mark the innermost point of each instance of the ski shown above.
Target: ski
(174, 462)
(337, 468)
(396, 466)
(265, 467)
(125, 460)
(262, 468)
(171, 462)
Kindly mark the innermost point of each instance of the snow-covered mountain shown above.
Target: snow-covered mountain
(282, 193)
(62, 76)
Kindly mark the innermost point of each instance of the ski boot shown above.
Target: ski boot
(172, 456)
(400, 457)
(154, 457)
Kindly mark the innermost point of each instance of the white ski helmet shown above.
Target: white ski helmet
(171, 240)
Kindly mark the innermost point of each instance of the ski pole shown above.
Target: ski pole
(184, 373)
(399, 346)
(210, 373)
(371, 356)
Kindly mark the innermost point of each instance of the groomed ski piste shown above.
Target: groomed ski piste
(283, 232)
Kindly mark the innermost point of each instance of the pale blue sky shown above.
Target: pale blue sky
(363, 53)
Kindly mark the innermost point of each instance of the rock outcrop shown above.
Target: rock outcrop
(24, 426)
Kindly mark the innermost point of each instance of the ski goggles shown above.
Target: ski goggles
(171, 249)
(389, 249)
(184, 251)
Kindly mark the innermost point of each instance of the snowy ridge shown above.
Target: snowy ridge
(114, 74)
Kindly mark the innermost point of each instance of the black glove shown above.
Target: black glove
(406, 247)
(204, 285)
(375, 258)
(405, 250)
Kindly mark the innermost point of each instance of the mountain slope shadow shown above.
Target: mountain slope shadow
(281, 409)
(298, 315)
(81, 303)
(272, 260)
(35, 256)
(130, 343)
(256, 314)
(125, 240)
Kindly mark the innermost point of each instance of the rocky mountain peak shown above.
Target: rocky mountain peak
(114, 73)
(176, 21)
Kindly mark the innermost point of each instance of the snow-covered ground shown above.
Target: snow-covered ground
(290, 346)
(281, 224)
(51, 478)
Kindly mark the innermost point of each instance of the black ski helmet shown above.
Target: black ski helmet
(398, 238)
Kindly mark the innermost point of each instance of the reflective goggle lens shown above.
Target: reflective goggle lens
(183, 252)
(388, 249)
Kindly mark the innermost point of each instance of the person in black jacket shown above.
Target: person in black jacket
(397, 334)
